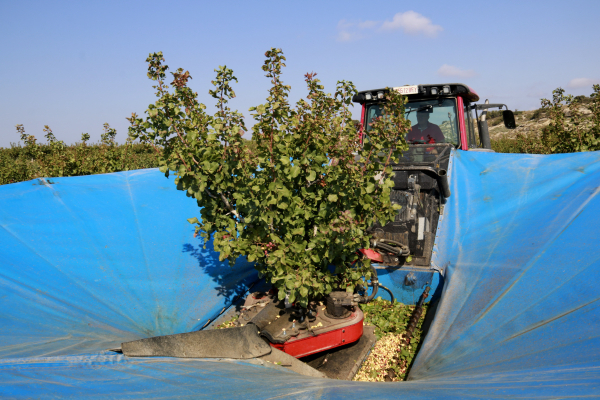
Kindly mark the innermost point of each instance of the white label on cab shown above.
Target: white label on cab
(407, 89)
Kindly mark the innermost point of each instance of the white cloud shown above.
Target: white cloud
(578, 83)
(412, 23)
(343, 25)
(368, 24)
(345, 36)
(347, 31)
(449, 70)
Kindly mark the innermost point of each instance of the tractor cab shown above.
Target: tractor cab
(438, 113)
(442, 117)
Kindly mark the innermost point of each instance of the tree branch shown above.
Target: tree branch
(227, 205)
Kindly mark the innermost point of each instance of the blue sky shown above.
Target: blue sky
(75, 65)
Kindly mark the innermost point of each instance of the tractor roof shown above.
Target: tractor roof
(434, 90)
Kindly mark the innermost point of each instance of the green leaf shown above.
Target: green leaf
(295, 171)
(303, 291)
(311, 176)
(332, 197)
(193, 220)
(292, 297)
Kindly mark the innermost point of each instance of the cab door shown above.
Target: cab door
(468, 137)
(470, 122)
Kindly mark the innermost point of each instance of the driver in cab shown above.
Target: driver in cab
(423, 131)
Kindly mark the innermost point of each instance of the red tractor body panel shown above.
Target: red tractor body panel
(343, 331)
(462, 129)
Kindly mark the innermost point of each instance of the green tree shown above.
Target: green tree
(573, 135)
(569, 131)
(302, 198)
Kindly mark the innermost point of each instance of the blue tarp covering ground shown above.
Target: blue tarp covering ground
(89, 262)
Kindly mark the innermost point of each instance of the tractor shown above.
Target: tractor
(441, 117)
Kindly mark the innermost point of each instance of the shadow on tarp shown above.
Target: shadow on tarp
(518, 316)
(230, 285)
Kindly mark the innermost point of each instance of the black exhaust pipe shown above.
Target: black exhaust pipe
(442, 180)
(484, 134)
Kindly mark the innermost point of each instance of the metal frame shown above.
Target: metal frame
(460, 104)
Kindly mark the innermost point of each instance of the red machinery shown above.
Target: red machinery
(322, 327)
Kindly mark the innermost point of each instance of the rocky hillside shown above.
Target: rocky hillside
(529, 123)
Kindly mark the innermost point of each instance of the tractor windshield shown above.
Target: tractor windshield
(432, 121)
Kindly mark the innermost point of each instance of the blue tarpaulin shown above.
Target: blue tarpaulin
(89, 262)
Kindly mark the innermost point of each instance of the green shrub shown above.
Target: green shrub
(537, 114)
(563, 135)
(578, 134)
(582, 99)
(54, 159)
(302, 199)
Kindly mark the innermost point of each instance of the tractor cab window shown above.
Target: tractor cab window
(472, 137)
(432, 121)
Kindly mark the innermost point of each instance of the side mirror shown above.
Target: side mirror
(509, 119)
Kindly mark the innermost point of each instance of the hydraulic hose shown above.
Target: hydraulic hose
(389, 248)
(392, 242)
(404, 250)
(389, 291)
(374, 283)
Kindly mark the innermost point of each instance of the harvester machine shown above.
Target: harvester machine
(328, 338)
